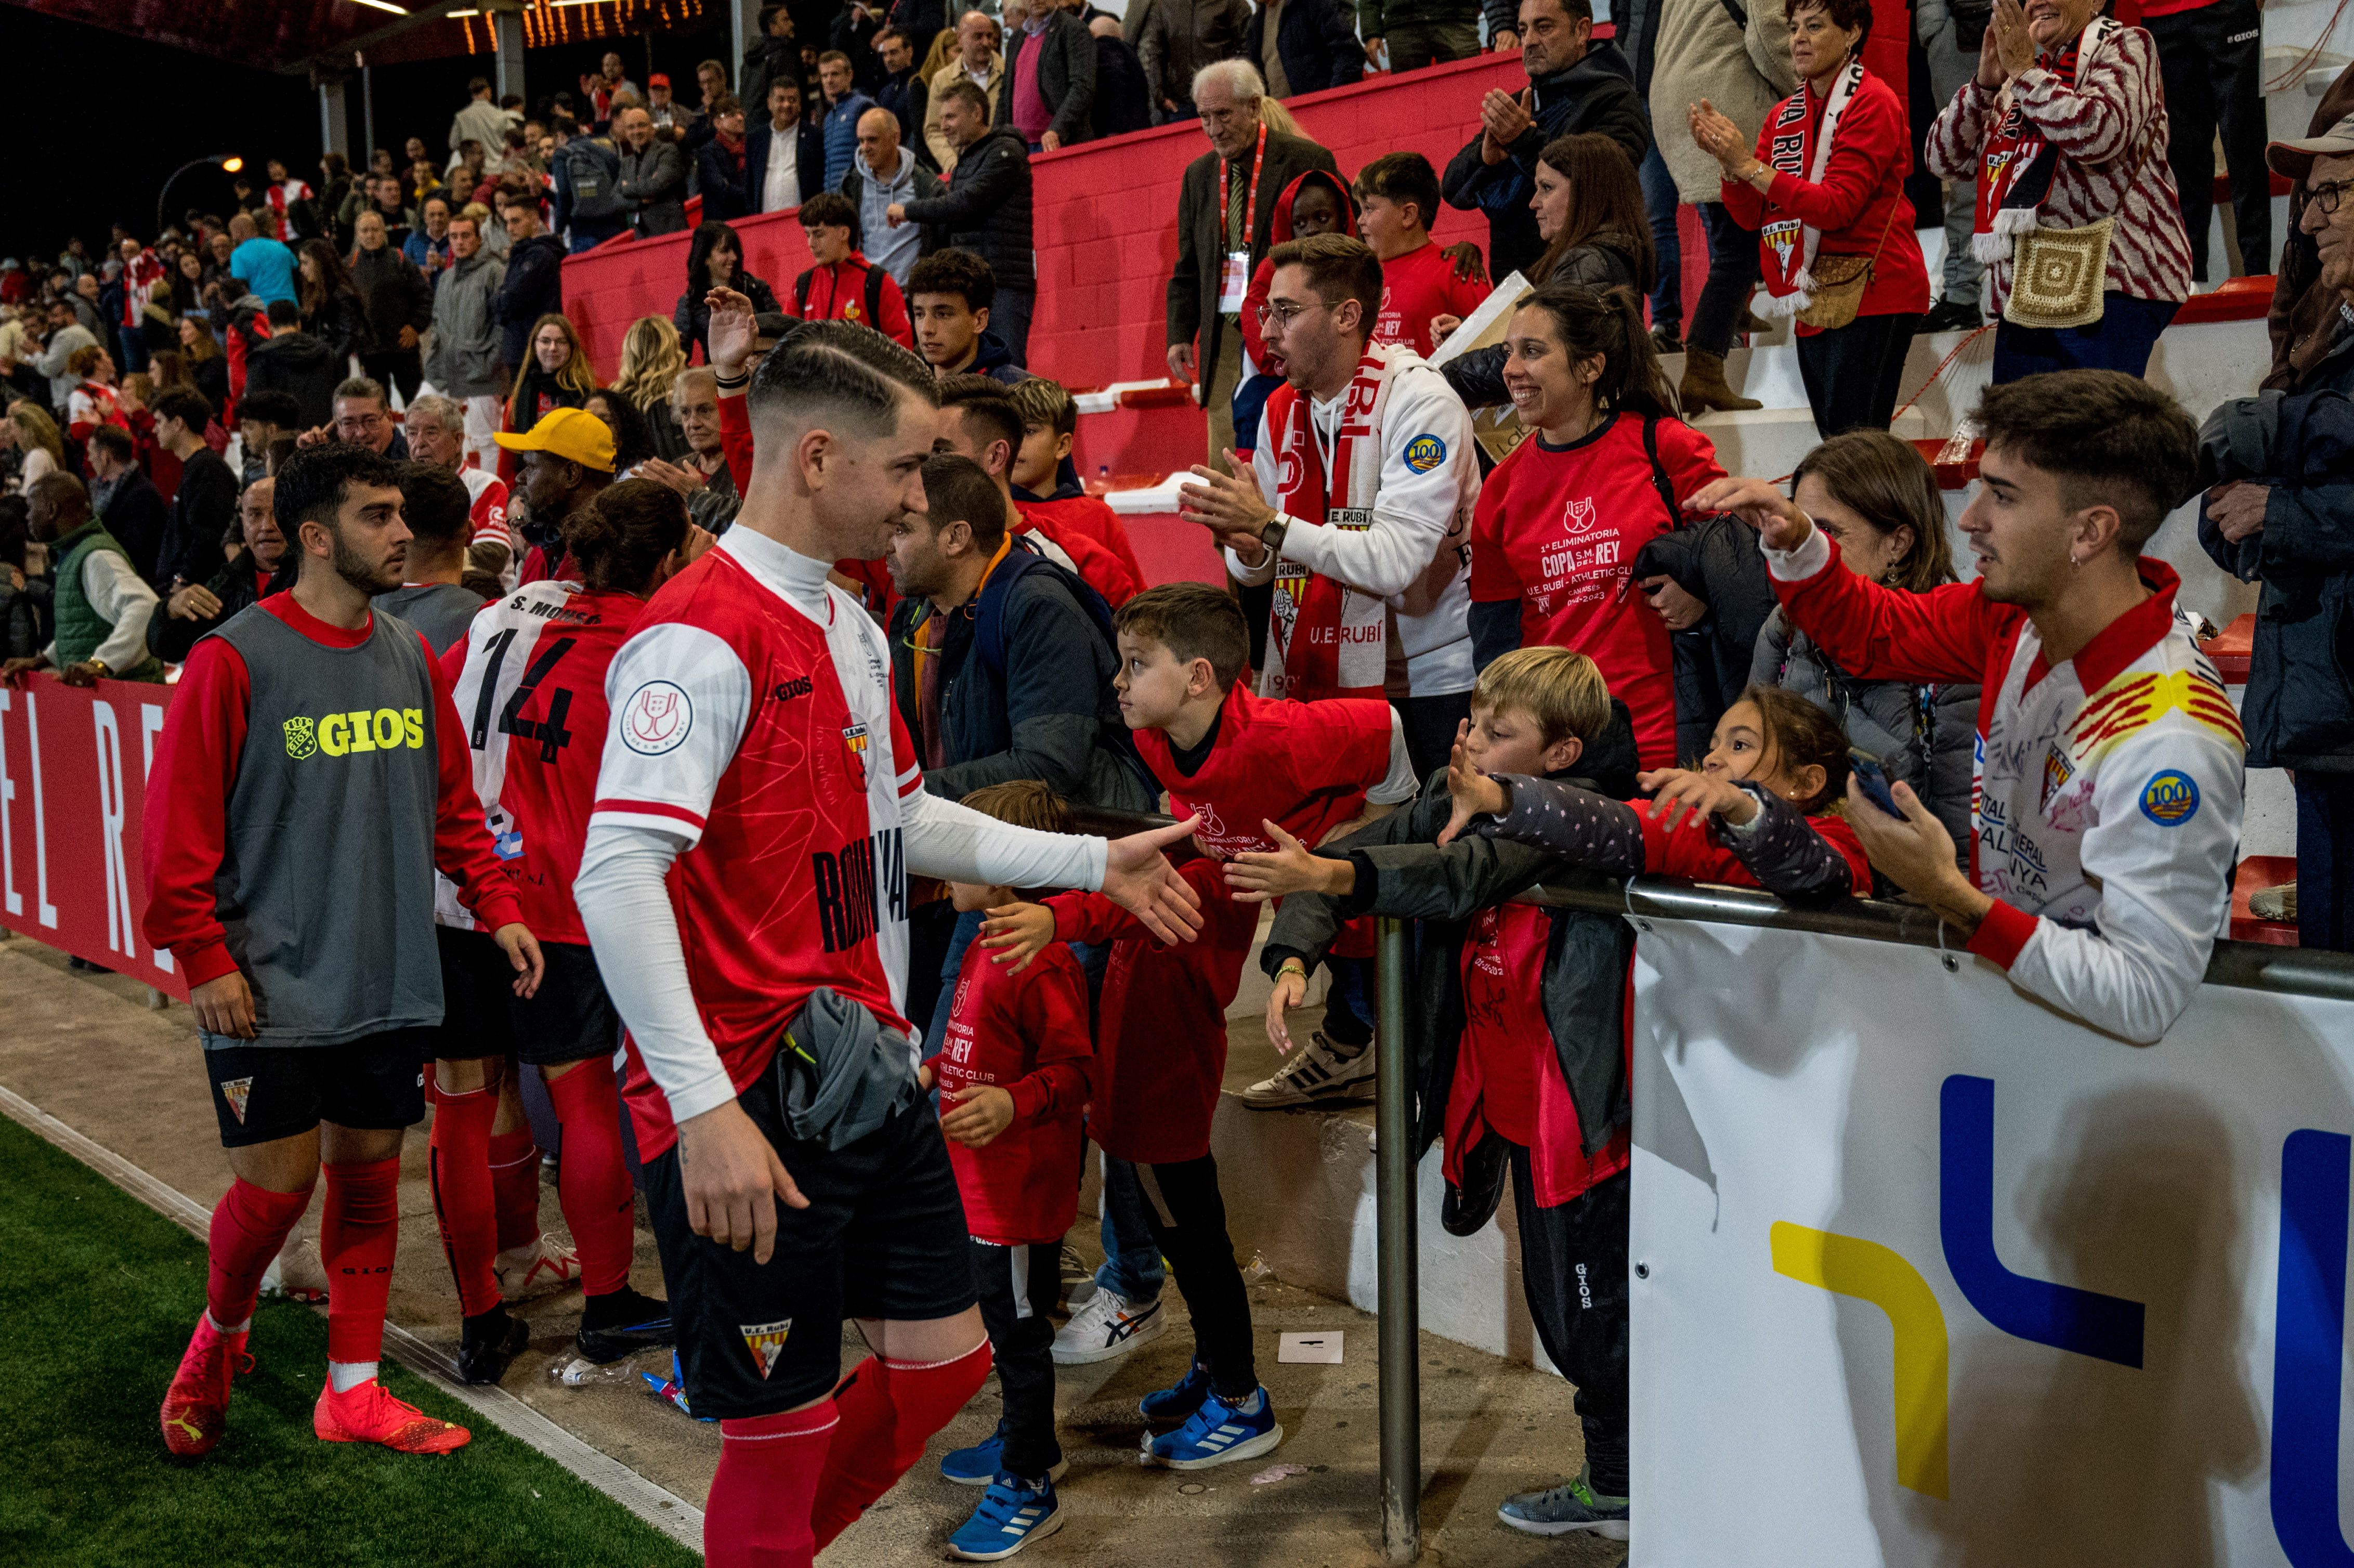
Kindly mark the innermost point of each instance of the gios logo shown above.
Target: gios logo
(342, 734)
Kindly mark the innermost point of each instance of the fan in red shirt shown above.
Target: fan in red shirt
(979, 421)
(1045, 485)
(1426, 291)
(1562, 519)
(529, 676)
(844, 285)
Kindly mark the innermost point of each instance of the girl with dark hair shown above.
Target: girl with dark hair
(1878, 501)
(715, 260)
(621, 548)
(1824, 186)
(207, 364)
(633, 441)
(1589, 210)
(1602, 470)
(332, 310)
(555, 374)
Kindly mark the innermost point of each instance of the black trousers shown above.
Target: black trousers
(1188, 1226)
(399, 368)
(1017, 1287)
(1574, 1273)
(2211, 61)
(1733, 274)
(1855, 373)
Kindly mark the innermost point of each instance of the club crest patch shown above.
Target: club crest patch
(656, 718)
(766, 1342)
(237, 1091)
(2171, 798)
(301, 738)
(1425, 452)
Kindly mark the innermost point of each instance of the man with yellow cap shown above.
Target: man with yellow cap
(563, 464)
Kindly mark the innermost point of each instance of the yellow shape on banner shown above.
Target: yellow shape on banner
(1849, 1265)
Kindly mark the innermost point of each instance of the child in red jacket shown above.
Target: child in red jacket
(1012, 1074)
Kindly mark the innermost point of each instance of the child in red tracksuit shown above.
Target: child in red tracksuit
(1012, 1074)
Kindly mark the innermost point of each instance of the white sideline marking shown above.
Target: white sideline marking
(667, 1513)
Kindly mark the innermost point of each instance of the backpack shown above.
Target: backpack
(803, 284)
(988, 639)
(592, 180)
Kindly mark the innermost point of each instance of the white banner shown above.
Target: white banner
(1927, 1274)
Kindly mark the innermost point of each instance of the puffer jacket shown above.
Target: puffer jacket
(986, 208)
(1604, 262)
(1924, 736)
(2299, 711)
(1587, 955)
(465, 358)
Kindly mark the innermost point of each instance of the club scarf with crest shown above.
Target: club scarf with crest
(1803, 153)
(2016, 169)
(1326, 639)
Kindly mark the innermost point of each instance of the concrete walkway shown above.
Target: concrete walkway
(87, 1049)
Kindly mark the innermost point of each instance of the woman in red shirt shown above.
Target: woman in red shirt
(1602, 472)
(1826, 180)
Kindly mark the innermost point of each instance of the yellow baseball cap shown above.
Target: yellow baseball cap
(574, 434)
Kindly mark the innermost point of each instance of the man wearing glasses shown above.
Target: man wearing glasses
(363, 417)
(2285, 520)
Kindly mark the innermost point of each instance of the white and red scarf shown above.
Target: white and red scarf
(139, 280)
(1786, 243)
(1326, 638)
(2016, 167)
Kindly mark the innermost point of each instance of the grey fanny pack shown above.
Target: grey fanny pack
(840, 1074)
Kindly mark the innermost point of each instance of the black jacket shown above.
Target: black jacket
(1478, 377)
(727, 194)
(1066, 76)
(341, 323)
(986, 208)
(1123, 97)
(654, 185)
(533, 289)
(135, 514)
(393, 295)
(301, 363)
(1596, 94)
(1201, 238)
(809, 154)
(1316, 40)
(233, 585)
(1716, 560)
(204, 509)
(693, 317)
(1049, 714)
(765, 60)
(1402, 871)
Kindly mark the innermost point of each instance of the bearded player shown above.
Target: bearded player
(758, 814)
(311, 777)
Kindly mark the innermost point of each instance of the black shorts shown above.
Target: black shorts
(884, 1237)
(261, 1092)
(570, 1019)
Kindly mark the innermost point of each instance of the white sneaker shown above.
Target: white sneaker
(1108, 1325)
(541, 1268)
(297, 1272)
(1316, 1071)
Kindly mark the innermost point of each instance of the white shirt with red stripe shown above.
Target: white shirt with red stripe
(488, 512)
(754, 743)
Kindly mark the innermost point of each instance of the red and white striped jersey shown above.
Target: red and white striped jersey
(489, 514)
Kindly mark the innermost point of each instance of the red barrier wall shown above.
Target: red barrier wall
(73, 784)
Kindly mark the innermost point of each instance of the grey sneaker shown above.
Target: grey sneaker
(1570, 1506)
(1316, 1072)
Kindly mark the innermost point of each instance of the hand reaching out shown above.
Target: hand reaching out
(1760, 504)
(1258, 876)
(1017, 933)
(732, 332)
(1679, 791)
(1475, 794)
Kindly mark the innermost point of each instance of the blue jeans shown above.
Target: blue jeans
(2120, 340)
(1660, 201)
(1132, 1268)
(1009, 318)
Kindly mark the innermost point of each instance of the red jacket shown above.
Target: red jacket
(839, 292)
(1097, 566)
(1058, 517)
(1028, 1034)
(1161, 1052)
(187, 829)
(1860, 208)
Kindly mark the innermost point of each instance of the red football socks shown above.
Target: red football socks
(250, 1224)
(514, 1177)
(594, 1181)
(462, 1194)
(757, 1515)
(359, 1231)
(889, 1410)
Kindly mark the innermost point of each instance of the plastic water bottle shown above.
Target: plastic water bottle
(1103, 477)
(582, 1372)
(1957, 448)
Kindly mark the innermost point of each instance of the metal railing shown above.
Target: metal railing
(2251, 966)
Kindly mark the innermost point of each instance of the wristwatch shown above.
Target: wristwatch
(1272, 535)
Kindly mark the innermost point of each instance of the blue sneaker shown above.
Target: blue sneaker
(1012, 1515)
(1217, 1433)
(1573, 1505)
(1179, 1403)
(979, 1465)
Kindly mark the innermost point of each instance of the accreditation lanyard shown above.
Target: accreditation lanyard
(1234, 282)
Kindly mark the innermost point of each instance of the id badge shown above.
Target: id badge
(1234, 282)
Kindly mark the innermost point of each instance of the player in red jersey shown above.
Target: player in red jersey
(529, 678)
(758, 811)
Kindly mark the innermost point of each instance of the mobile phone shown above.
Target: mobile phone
(1864, 773)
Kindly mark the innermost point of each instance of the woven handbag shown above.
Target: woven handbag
(2057, 275)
